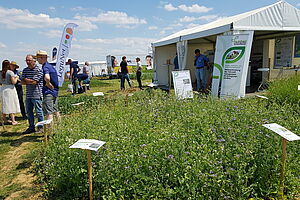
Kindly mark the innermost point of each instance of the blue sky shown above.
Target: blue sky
(113, 27)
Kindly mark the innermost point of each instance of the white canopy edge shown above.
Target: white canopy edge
(280, 16)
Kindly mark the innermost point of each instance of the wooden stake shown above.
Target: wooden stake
(282, 168)
(90, 173)
(45, 134)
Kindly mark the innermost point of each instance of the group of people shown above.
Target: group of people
(41, 90)
(83, 78)
(124, 72)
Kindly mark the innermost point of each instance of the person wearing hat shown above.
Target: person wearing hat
(10, 101)
(19, 89)
(50, 86)
(32, 77)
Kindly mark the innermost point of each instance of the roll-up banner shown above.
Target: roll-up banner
(231, 65)
(63, 51)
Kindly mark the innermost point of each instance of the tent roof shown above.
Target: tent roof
(280, 16)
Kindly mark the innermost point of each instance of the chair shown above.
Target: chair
(264, 82)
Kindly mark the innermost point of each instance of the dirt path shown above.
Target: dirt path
(16, 176)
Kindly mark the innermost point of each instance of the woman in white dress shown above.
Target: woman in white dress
(10, 101)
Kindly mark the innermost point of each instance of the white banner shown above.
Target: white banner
(231, 65)
(182, 84)
(63, 52)
(182, 53)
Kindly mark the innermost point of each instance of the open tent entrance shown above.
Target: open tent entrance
(263, 55)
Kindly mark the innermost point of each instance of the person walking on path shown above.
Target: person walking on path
(32, 77)
(50, 86)
(124, 73)
(199, 62)
(139, 72)
(19, 89)
(10, 101)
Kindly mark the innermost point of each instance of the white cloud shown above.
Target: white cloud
(2, 45)
(113, 17)
(78, 8)
(187, 19)
(171, 29)
(195, 8)
(91, 49)
(170, 7)
(17, 18)
(51, 33)
(52, 8)
(204, 18)
(192, 25)
(152, 27)
(298, 4)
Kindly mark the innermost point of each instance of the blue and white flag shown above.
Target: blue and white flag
(63, 52)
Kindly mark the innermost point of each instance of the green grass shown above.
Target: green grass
(161, 148)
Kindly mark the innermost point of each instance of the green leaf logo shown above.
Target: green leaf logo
(233, 55)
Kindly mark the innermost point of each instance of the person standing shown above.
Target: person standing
(50, 86)
(32, 77)
(19, 89)
(139, 72)
(175, 61)
(10, 101)
(86, 70)
(74, 69)
(199, 62)
(124, 73)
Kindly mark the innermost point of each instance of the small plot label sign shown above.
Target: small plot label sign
(77, 104)
(45, 122)
(87, 144)
(283, 132)
(95, 94)
(263, 97)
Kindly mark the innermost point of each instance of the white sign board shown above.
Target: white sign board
(298, 87)
(95, 94)
(87, 144)
(283, 132)
(45, 122)
(182, 84)
(283, 51)
(77, 104)
(231, 65)
(263, 97)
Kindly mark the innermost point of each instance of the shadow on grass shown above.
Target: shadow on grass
(24, 165)
(19, 141)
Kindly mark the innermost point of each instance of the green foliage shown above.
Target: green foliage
(159, 147)
(285, 90)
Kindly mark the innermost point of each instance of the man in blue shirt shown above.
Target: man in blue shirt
(50, 87)
(32, 77)
(199, 62)
(74, 69)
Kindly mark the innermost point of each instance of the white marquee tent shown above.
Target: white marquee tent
(279, 19)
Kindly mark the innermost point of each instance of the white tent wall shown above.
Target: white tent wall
(275, 21)
(162, 54)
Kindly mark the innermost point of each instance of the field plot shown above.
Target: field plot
(159, 147)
